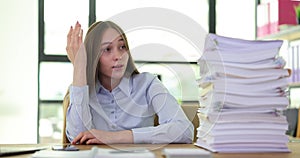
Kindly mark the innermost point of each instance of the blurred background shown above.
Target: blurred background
(35, 72)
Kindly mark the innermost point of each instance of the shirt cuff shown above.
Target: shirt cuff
(142, 135)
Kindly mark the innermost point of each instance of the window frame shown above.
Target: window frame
(42, 57)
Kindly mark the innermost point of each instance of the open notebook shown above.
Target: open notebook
(15, 150)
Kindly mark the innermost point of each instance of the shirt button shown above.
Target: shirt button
(112, 112)
(113, 126)
(112, 101)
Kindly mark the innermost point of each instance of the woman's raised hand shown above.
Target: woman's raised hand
(74, 41)
(77, 54)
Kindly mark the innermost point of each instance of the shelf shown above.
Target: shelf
(291, 33)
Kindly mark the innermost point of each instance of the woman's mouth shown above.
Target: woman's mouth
(118, 67)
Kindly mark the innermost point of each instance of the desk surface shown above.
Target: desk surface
(156, 148)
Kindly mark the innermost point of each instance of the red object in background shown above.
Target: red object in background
(287, 13)
(274, 14)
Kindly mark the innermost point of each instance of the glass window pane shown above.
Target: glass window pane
(236, 18)
(293, 60)
(59, 16)
(168, 44)
(55, 79)
(51, 123)
(161, 45)
(195, 9)
(294, 97)
(179, 79)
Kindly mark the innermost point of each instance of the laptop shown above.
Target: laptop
(17, 150)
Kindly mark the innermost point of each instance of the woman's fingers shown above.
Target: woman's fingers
(94, 141)
(77, 138)
(83, 137)
(76, 34)
(74, 40)
(80, 36)
(69, 38)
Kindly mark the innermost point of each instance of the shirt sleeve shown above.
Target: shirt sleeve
(78, 114)
(174, 126)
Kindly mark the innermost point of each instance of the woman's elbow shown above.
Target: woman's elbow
(187, 135)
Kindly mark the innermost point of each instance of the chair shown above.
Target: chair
(65, 103)
(189, 109)
(293, 120)
(298, 125)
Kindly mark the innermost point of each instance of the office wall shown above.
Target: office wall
(18, 68)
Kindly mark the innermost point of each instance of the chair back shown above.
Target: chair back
(65, 103)
(292, 116)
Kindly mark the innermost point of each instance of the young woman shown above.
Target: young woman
(110, 101)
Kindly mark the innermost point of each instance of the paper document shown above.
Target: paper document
(95, 152)
(186, 153)
(243, 93)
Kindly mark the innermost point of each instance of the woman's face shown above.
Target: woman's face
(114, 58)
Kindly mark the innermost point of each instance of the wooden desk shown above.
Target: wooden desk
(156, 148)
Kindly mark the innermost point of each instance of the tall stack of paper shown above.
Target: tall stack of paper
(243, 92)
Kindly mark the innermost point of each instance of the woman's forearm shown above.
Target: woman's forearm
(79, 74)
(95, 136)
(124, 136)
(78, 117)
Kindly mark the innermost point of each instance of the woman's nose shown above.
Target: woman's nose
(117, 55)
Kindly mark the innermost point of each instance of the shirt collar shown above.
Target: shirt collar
(124, 86)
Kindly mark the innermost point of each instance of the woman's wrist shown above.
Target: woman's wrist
(79, 76)
(124, 137)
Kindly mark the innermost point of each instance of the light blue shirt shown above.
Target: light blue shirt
(132, 105)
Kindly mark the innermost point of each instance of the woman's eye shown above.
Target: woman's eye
(123, 47)
(106, 50)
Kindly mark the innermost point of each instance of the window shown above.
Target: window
(236, 18)
(58, 17)
(55, 71)
(55, 77)
(294, 96)
(179, 79)
(293, 60)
